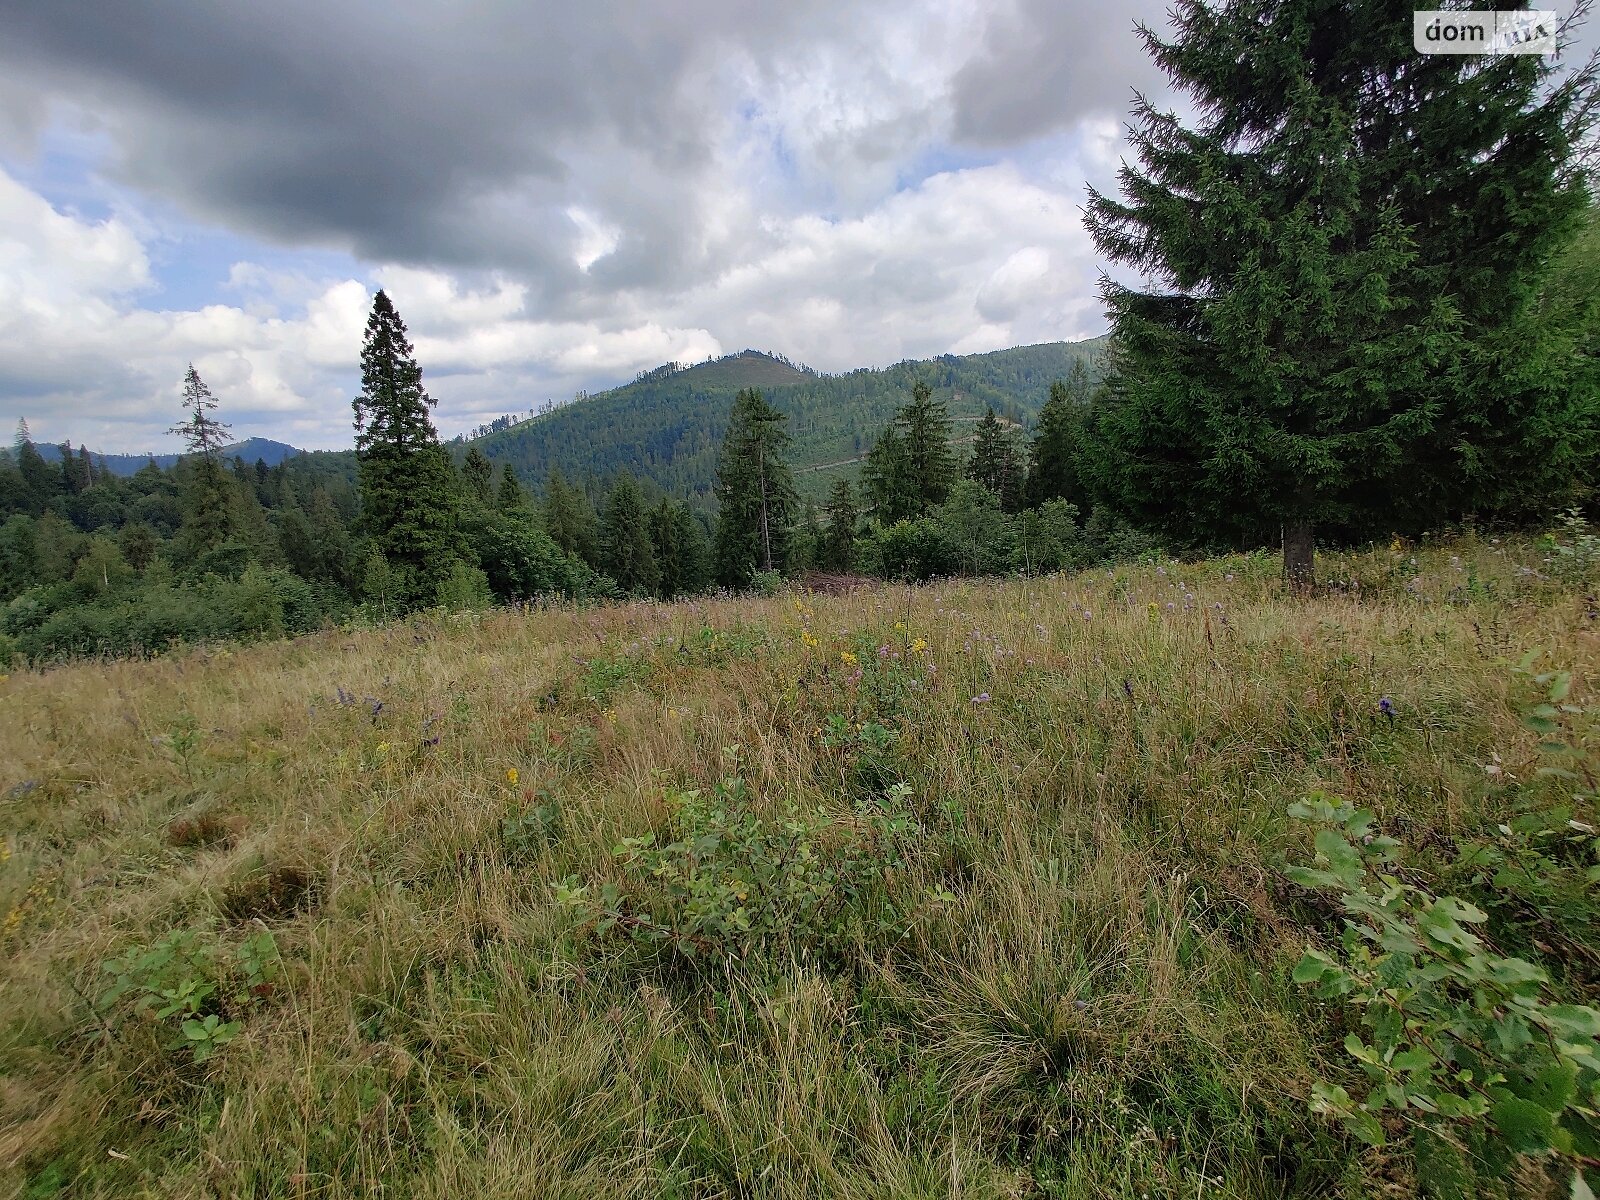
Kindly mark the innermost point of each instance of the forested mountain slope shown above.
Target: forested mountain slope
(666, 427)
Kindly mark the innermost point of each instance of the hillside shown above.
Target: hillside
(250, 450)
(1033, 937)
(667, 426)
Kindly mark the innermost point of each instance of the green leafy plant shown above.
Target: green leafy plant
(184, 742)
(1460, 1044)
(182, 980)
(604, 676)
(527, 829)
(729, 881)
(1574, 552)
(1538, 872)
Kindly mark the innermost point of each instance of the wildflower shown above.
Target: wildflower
(512, 776)
(981, 698)
(383, 747)
(900, 625)
(1386, 707)
(847, 658)
(918, 646)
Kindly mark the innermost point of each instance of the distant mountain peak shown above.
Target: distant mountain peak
(744, 368)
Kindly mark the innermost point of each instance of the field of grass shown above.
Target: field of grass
(994, 906)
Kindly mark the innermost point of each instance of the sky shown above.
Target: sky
(555, 196)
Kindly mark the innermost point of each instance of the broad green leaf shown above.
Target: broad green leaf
(1412, 1060)
(1525, 1126)
(1343, 858)
(1312, 967)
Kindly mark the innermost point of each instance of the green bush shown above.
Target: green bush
(1574, 552)
(916, 550)
(465, 589)
(186, 983)
(1462, 1046)
(727, 882)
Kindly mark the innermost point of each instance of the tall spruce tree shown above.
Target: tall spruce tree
(886, 479)
(1340, 258)
(510, 497)
(209, 516)
(755, 492)
(1056, 450)
(408, 485)
(570, 520)
(40, 484)
(628, 555)
(478, 474)
(910, 468)
(995, 463)
(839, 537)
(930, 461)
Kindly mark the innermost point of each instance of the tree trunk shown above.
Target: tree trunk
(1298, 553)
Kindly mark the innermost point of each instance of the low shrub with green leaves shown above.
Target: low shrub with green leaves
(728, 880)
(1463, 1047)
(190, 984)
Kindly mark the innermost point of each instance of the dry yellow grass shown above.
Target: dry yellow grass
(1086, 993)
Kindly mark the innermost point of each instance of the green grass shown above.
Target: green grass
(1075, 983)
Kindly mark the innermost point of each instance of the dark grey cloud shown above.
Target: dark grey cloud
(1045, 65)
(557, 196)
(441, 133)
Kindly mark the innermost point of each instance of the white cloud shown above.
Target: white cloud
(551, 213)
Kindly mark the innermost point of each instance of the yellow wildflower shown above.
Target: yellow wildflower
(383, 747)
(919, 645)
(512, 776)
(847, 658)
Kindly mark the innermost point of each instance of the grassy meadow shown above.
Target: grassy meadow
(980, 892)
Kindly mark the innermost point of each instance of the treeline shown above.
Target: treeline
(214, 547)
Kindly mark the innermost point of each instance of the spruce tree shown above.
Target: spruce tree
(910, 468)
(755, 492)
(510, 497)
(886, 480)
(839, 538)
(995, 463)
(1057, 446)
(478, 473)
(694, 552)
(930, 462)
(1340, 258)
(209, 518)
(570, 520)
(40, 483)
(408, 485)
(664, 539)
(627, 553)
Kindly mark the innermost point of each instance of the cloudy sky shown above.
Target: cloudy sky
(555, 196)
